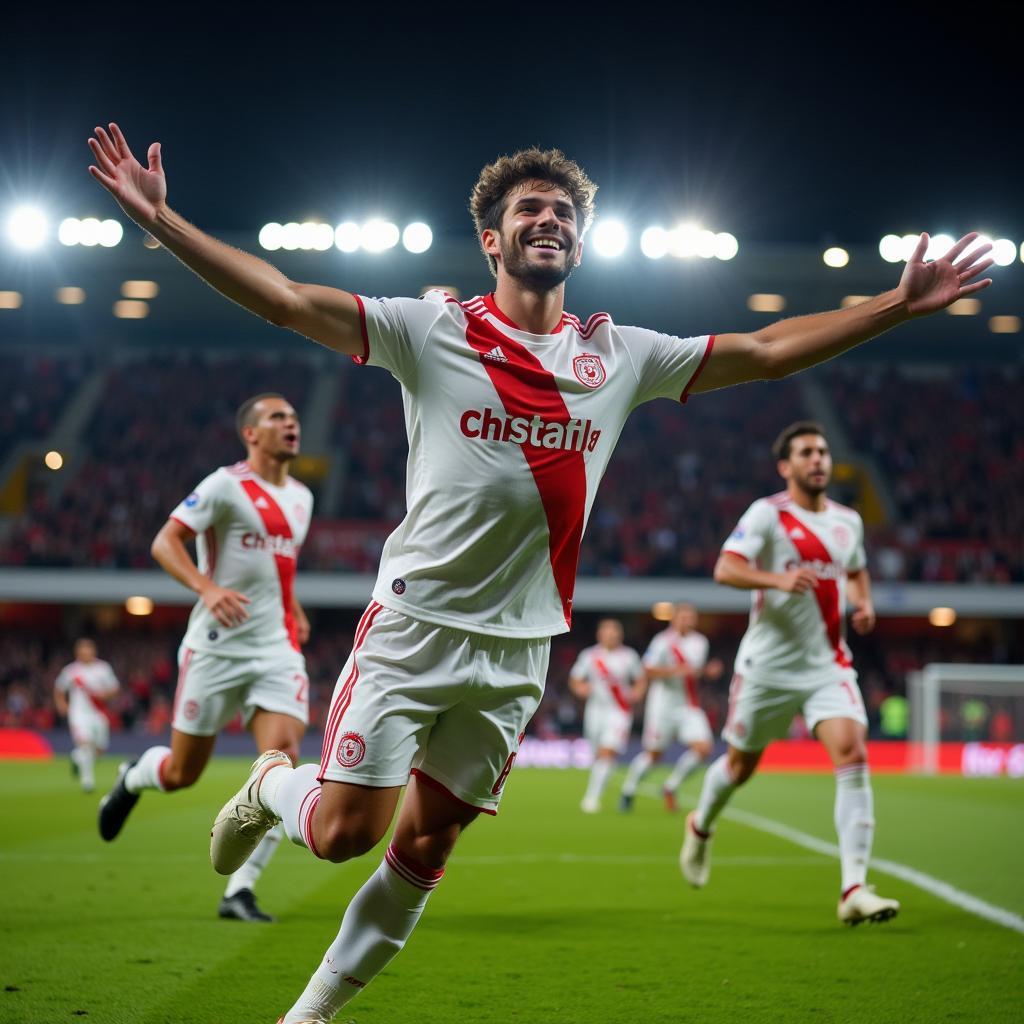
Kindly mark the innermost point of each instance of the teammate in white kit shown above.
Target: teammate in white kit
(675, 660)
(512, 409)
(242, 649)
(608, 676)
(802, 555)
(80, 694)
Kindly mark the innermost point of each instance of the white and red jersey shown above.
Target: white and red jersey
(610, 673)
(248, 535)
(509, 436)
(686, 652)
(88, 685)
(797, 635)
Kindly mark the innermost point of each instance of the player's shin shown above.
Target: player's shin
(718, 787)
(683, 768)
(292, 794)
(85, 757)
(375, 927)
(855, 823)
(599, 773)
(638, 768)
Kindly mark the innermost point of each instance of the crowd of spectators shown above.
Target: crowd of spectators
(37, 390)
(161, 426)
(950, 443)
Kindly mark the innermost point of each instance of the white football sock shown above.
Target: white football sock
(855, 822)
(375, 927)
(248, 874)
(85, 758)
(684, 766)
(718, 787)
(292, 794)
(638, 768)
(145, 773)
(599, 773)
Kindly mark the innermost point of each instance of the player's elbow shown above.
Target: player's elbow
(722, 571)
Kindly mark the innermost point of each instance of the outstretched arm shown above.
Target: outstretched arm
(327, 315)
(791, 345)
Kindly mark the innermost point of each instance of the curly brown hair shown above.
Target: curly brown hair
(497, 180)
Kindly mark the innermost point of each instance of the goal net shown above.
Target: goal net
(964, 703)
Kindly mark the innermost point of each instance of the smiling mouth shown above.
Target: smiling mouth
(545, 243)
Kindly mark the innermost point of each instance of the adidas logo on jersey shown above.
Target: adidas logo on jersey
(261, 502)
(496, 355)
(487, 425)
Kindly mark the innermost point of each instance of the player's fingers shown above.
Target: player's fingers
(966, 275)
(101, 157)
(107, 143)
(920, 249)
(959, 247)
(155, 163)
(122, 144)
(972, 257)
(976, 287)
(104, 179)
(241, 597)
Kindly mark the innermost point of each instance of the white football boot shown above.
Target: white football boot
(243, 821)
(695, 856)
(864, 905)
(589, 805)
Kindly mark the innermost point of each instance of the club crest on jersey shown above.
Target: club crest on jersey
(589, 370)
(841, 535)
(351, 750)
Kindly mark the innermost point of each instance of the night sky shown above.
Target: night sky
(837, 126)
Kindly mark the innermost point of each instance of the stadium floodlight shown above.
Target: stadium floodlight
(10, 300)
(654, 243)
(942, 617)
(323, 237)
(53, 460)
(964, 307)
(766, 302)
(111, 233)
(271, 235)
(835, 256)
(1004, 251)
(70, 295)
(89, 231)
(908, 243)
(417, 237)
(291, 236)
(27, 227)
(346, 236)
(662, 611)
(610, 238)
(131, 309)
(726, 246)
(1004, 324)
(378, 235)
(139, 604)
(70, 231)
(890, 248)
(705, 247)
(683, 240)
(938, 246)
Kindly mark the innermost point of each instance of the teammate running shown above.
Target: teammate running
(802, 555)
(608, 677)
(241, 652)
(80, 694)
(512, 408)
(675, 660)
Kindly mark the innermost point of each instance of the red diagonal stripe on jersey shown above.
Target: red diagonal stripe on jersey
(689, 679)
(620, 698)
(811, 549)
(82, 685)
(527, 389)
(277, 526)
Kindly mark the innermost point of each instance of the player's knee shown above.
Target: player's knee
(291, 749)
(341, 841)
(740, 767)
(702, 750)
(850, 751)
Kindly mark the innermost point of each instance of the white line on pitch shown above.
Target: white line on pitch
(934, 886)
(625, 859)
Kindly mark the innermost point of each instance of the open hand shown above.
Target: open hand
(929, 287)
(140, 192)
(227, 606)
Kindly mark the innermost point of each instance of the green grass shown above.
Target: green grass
(546, 916)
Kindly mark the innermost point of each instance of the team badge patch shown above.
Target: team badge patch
(351, 750)
(191, 710)
(589, 370)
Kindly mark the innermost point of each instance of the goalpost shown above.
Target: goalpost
(927, 688)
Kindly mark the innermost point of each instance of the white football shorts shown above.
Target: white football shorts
(90, 729)
(606, 728)
(761, 711)
(213, 689)
(668, 717)
(444, 704)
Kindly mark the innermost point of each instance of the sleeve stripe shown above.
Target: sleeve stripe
(693, 380)
(360, 360)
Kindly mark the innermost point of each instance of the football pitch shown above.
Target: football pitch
(546, 915)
